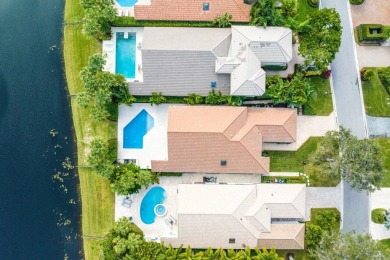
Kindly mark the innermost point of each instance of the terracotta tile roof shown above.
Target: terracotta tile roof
(200, 137)
(192, 10)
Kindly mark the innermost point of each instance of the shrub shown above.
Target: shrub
(223, 21)
(384, 76)
(328, 219)
(313, 3)
(193, 99)
(366, 33)
(356, 2)
(156, 98)
(378, 216)
(215, 98)
(313, 236)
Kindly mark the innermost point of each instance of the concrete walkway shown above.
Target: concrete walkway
(380, 199)
(373, 56)
(307, 126)
(378, 127)
(323, 197)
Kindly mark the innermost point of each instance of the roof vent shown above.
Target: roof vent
(223, 162)
(213, 84)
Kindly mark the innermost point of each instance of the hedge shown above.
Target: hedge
(356, 2)
(313, 3)
(384, 76)
(364, 33)
(274, 67)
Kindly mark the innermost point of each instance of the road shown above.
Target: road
(350, 114)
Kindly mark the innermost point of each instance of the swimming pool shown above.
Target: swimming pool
(136, 129)
(126, 3)
(153, 197)
(125, 54)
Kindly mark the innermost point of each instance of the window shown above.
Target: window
(232, 240)
(223, 162)
(206, 6)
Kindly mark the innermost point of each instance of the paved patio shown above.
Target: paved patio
(323, 197)
(371, 11)
(380, 199)
(155, 145)
(373, 56)
(307, 126)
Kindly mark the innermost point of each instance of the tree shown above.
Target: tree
(327, 219)
(102, 157)
(102, 89)
(321, 42)
(223, 21)
(368, 74)
(264, 13)
(194, 99)
(313, 235)
(358, 161)
(129, 179)
(295, 92)
(156, 98)
(98, 16)
(348, 246)
(288, 8)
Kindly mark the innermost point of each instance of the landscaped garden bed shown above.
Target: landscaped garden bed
(283, 179)
(378, 215)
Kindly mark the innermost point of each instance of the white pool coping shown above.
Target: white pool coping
(155, 143)
(109, 50)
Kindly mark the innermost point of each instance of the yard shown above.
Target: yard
(96, 195)
(304, 9)
(385, 143)
(376, 99)
(298, 161)
(321, 102)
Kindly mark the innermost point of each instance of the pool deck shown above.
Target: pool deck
(159, 228)
(109, 49)
(155, 145)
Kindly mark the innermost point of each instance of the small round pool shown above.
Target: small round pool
(160, 210)
(153, 198)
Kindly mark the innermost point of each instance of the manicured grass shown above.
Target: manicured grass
(96, 195)
(304, 9)
(376, 99)
(386, 243)
(321, 102)
(298, 161)
(385, 144)
(377, 215)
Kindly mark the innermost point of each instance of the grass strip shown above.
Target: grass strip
(96, 195)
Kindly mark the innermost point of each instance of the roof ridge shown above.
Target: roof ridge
(292, 203)
(212, 50)
(281, 38)
(223, 132)
(247, 16)
(287, 131)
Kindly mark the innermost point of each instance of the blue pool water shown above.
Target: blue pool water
(136, 129)
(156, 195)
(125, 55)
(126, 3)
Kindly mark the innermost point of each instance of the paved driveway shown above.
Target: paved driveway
(321, 197)
(373, 56)
(371, 11)
(380, 199)
(350, 114)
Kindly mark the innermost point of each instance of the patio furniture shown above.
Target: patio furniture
(126, 202)
(168, 222)
(173, 220)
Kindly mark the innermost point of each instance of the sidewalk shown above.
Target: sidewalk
(380, 199)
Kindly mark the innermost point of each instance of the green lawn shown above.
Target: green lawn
(304, 9)
(385, 143)
(316, 212)
(96, 195)
(298, 161)
(376, 99)
(321, 102)
(386, 243)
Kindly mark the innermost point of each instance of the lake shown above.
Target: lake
(40, 210)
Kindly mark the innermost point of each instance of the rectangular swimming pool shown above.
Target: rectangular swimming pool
(125, 55)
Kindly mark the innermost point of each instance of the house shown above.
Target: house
(236, 216)
(193, 10)
(222, 139)
(179, 61)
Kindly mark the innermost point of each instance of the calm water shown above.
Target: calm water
(125, 55)
(38, 217)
